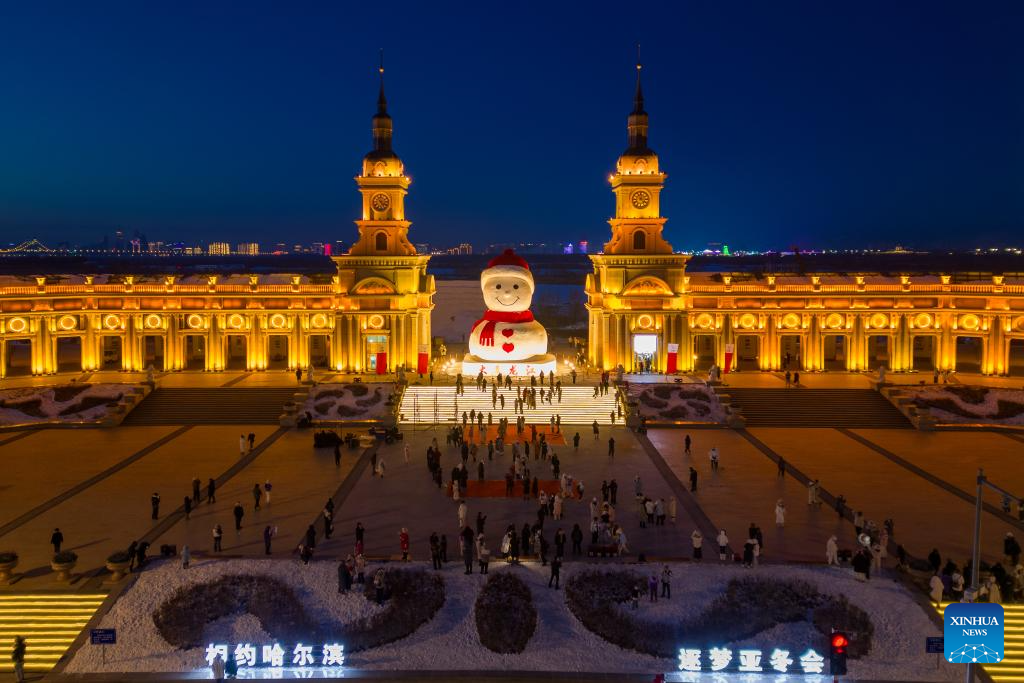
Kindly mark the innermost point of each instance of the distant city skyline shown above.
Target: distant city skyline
(815, 127)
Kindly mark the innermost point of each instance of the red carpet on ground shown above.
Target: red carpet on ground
(495, 488)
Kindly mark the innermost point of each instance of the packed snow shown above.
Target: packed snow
(985, 411)
(561, 643)
(352, 402)
(40, 405)
(686, 402)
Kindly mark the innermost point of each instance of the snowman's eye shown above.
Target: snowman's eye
(497, 286)
(515, 286)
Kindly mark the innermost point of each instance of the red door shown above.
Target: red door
(382, 362)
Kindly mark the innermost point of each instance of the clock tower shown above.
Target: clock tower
(383, 184)
(637, 183)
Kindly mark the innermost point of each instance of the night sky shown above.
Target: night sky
(813, 124)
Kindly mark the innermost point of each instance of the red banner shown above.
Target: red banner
(423, 359)
(382, 362)
(728, 357)
(671, 361)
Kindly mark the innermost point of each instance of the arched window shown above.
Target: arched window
(641, 166)
(382, 241)
(379, 168)
(639, 240)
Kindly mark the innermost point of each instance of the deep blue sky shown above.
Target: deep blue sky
(796, 123)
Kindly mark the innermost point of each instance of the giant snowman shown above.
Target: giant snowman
(507, 339)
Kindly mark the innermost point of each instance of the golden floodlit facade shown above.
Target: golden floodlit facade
(372, 315)
(644, 306)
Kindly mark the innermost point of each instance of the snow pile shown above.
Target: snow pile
(356, 401)
(64, 403)
(140, 646)
(966, 404)
(690, 402)
(561, 643)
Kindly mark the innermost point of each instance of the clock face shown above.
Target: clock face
(380, 201)
(640, 199)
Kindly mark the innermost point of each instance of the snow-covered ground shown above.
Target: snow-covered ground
(981, 412)
(676, 402)
(37, 405)
(341, 402)
(561, 643)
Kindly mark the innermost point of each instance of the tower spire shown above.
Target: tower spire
(638, 98)
(382, 102)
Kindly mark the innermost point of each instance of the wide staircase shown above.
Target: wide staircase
(49, 622)
(1012, 666)
(440, 404)
(211, 406)
(801, 407)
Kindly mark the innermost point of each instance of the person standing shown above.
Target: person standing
(405, 453)
(713, 455)
(832, 551)
(239, 512)
(611, 447)
(613, 491)
(686, 445)
(403, 543)
(218, 534)
(671, 509)
(211, 491)
(154, 502)
(697, 541)
(196, 484)
(577, 539)
(252, 440)
(466, 540)
(693, 480)
(18, 658)
(188, 507)
(268, 535)
(782, 468)
(186, 556)
(241, 445)
(435, 550)
(463, 510)
(723, 545)
(257, 494)
(337, 455)
(56, 539)
(780, 514)
(217, 666)
(556, 570)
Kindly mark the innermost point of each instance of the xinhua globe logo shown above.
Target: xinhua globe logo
(973, 633)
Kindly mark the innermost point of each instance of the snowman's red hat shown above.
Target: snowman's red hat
(508, 263)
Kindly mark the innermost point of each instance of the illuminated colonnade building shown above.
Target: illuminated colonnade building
(375, 310)
(641, 300)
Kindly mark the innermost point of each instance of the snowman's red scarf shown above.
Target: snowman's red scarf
(491, 320)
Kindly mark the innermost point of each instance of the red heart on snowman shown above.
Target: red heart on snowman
(507, 347)
(507, 332)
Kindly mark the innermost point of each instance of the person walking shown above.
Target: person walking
(268, 536)
(211, 491)
(196, 484)
(266, 491)
(257, 495)
(188, 507)
(18, 658)
(238, 512)
(154, 502)
(686, 445)
(56, 539)
(713, 456)
(693, 480)
(594, 426)
(218, 534)
(666, 582)
(467, 540)
(435, 550)
(242, 444)
(463, 510)
(782, 468)
(556, 570)
(613, 491)
(576, 441)
(483, 555)
(310, 541)
(611, 447)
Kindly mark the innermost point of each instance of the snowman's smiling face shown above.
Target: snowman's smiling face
(508, 293)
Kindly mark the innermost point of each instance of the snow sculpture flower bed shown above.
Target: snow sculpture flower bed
(353, 402)
(677, 402)
(68, 403)
(967, 404)
(505, 616)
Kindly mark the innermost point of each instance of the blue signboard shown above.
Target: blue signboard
(103, 636)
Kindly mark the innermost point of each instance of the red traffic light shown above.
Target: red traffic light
(839, 641)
